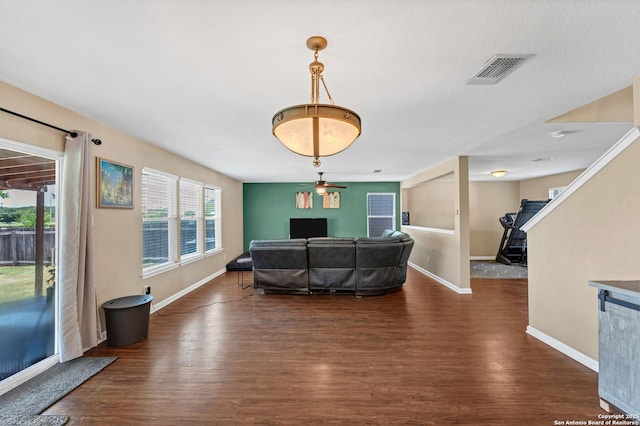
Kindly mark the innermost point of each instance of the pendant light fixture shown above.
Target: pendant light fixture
(316, 130)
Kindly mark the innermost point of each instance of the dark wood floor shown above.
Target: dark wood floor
(421, 356)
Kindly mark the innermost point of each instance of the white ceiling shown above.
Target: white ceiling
(204, 78)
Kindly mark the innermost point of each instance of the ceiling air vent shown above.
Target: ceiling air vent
(498, 68)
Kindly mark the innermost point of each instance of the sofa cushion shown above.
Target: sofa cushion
(377, 252)
(396, 234)
(331, 240)
(401, 236)
(339, 254)
(387, 232)
(278, 243)
(376, 240)
(278, 256)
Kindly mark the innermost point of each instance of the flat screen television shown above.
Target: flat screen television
(307, 227)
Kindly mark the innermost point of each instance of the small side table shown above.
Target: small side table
(243, 261)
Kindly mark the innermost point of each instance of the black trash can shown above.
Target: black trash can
(127, 319)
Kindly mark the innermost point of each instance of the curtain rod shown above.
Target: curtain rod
(70, 133)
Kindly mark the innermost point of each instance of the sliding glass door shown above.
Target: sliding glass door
(28, 218)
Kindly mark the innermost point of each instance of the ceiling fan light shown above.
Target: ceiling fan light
(321, 190)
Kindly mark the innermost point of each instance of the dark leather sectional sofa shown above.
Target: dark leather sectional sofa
(360, 266)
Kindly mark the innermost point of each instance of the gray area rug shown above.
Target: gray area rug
(37, 394)
(19, 420)
(492, 269)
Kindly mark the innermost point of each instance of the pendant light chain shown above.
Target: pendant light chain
(316, 77)
(326, 90)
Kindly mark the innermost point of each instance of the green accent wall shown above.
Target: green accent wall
(267, 208)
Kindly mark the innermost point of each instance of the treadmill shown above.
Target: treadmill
(513, 247)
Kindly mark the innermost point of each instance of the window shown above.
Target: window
(381, 213)
(177, 230)
(554, 192)
(159, 221)
(191, 213)
(211, 218)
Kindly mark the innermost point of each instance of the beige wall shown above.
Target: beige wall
(594, 234)
(118, 244)
(439, 195)
(538, 188)
(487, 202)
(445, 255)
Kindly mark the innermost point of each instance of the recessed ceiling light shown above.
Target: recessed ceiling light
(558, 134)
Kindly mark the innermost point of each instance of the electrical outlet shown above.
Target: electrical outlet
(147, 289)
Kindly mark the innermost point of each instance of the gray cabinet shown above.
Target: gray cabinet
(619, 344)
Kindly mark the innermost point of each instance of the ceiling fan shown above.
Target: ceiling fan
(321, 185)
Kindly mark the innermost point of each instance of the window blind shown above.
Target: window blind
(158, 218)
(210, 217)
(381, 208)
(190, 217)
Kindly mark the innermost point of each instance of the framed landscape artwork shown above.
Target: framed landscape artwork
(115, 185)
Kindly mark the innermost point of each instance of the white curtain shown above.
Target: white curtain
(79, 317)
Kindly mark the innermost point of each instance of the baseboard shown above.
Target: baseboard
(561, 347)
(157, 306)
(442, 281)
(482, 258)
